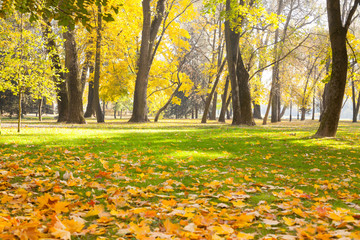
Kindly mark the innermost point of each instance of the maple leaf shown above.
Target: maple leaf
(171, 227)
(140, 230)
(59, 230)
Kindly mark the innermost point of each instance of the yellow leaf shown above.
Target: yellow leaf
(244, 236)
(289, 221)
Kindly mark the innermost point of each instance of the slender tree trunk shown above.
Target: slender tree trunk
(313, 111)
(75, 106)
(334, 99)
(40, 104)
(210, 95)
(223, 101)
(19, 111)
(290, 116)
(269, 105)
(90, 111)
(166, 104)
(96, 99)
(85, 69)
(282, 113)
(213, 109)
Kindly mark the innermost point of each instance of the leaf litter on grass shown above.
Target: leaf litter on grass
(62, 193)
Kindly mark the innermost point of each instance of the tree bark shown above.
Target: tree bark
(246, 116)
(90, 111)
(303, 112)
(334, 98)
(75, 106)
(210, 95)
(149, 32)
(40, 104)
(96, 99)
(62, 94)
(223, 101)
(232, 49)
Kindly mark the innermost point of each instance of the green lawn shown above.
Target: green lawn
(179, 180)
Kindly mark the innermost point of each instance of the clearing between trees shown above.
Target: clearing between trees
(179, 180)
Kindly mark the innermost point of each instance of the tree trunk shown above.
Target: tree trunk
(62, 94)
(103, 107)
(75, 106)
(166, 104)
(40, 104)
(257, 111)
(19, 110)
(84, 71)
(213, 109)
(334, 99)
(246, 116)
(313, 111)
(149, 33)
(210, 95)
(282, 113)
(96, 103)
(223, 101)
(290, 116)
(232, 49)
(303, 112)
(90, 111)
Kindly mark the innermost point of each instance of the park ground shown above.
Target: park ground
(178, 180)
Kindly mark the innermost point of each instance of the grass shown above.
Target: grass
(215, 171)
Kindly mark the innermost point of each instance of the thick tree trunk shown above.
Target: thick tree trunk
(149, 33)
(303, 112)
(257, 111)
(232, 49)
(334, 98)
(166, 104)
(244, 93)
(62, 94)
(96, 99)
(75, 106)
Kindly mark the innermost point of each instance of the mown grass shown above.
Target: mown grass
(259, 158)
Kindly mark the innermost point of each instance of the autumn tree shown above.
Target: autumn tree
(24, 65)
(338, 30)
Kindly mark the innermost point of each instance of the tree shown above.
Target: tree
(150, 42)
(96, 99)
(149, 32)
(239, 77)
(24, 66)
(75, 107)
(53, 52)
(334, 98)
